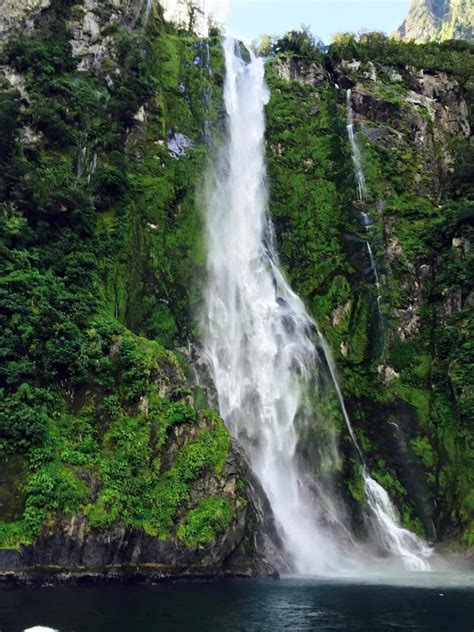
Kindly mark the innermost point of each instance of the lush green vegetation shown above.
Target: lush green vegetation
(102, 266)
(100, 236)
(428, 223)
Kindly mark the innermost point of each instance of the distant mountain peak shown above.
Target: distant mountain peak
(437, 20)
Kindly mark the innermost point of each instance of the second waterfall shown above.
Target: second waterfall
(261, 342)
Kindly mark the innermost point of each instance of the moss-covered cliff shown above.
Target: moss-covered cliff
(109, 456)
(406, 357)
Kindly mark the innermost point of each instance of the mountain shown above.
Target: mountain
(438, 20)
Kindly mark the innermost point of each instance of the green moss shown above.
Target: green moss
(13, 477)
(206, 521)
(422, 448)
(355, 483)
(52, 490)
(13, 535)
(135, 489)
(418, 398)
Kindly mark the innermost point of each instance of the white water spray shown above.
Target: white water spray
(259, 340)
(382, 514)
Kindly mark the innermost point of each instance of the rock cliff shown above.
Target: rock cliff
(438, 20)
(413, 124)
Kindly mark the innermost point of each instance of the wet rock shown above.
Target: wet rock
(382, 135)
(452, 304)
(69, 550)
(178, 145)
(433, 106)
(372, 107)
(394, 426)
(345, 73)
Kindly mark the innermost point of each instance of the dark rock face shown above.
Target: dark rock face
(394, 426)
(433, 107)
(373, 108)
(69, 551)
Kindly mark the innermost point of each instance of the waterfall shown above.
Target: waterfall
(382, 514)
(360, 184)
(81, 159)
(146, 14)
(260, 343)
(85, 167)
(356, 156)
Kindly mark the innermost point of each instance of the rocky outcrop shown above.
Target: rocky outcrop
(438, 20)
(300, 71)
(91, 26)
(429, 107)
(90, 23)
(405, 108)
(70, 551)
(19, 12)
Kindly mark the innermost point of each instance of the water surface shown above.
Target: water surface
(263, 606)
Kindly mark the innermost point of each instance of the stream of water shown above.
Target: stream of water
(360, 184)
(261, 345)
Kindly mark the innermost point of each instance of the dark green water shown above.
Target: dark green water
(248, 606)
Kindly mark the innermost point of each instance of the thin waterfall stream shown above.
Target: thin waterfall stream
(262, 348)
(360, 183)
(148, 4)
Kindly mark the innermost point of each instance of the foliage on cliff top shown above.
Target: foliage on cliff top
(453, 57)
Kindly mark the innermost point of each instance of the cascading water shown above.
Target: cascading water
(356, 156)
(81, 158)
(360, 182)
(85, 166)
(259, 341)
(397, 540)
(146, 14)
(382, 514)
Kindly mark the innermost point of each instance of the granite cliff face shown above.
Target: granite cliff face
(438, 20)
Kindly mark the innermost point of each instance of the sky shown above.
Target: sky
(248, 19)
